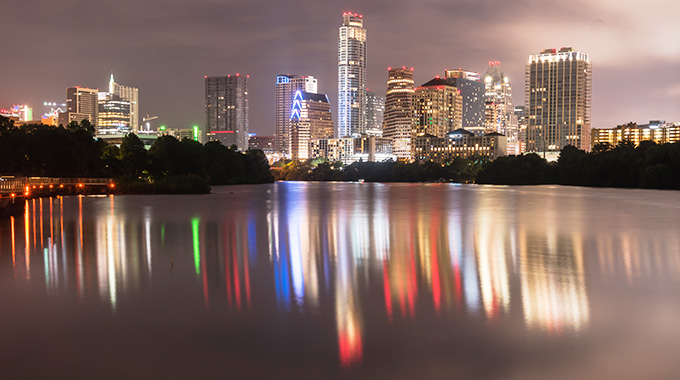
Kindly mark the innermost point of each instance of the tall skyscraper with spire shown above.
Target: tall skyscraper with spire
(129, 94)
(557, 98)
(352, 76)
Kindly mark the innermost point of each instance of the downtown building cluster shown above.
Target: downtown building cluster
(113, 113)
(463, 113)
(460, 114)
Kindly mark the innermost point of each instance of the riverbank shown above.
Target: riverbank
(647, 166)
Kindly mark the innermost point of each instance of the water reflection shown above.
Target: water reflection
(305, 249)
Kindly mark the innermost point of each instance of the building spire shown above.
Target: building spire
(111, 83)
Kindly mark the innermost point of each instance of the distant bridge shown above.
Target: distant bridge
(14, 190)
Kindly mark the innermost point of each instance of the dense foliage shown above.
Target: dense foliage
(459, 170)
(649, 165)
(169, 166)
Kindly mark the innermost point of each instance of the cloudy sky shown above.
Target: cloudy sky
(165, 47)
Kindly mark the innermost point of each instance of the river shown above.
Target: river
(344, 280)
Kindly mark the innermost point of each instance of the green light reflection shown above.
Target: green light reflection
(197, 249)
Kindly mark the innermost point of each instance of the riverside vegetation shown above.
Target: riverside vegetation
(172, 166)
(649, 165)
(169, 166)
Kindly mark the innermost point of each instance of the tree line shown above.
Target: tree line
(169, 166)
(649, 165)
(462, 170)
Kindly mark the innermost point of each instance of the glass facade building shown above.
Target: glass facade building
(128, 94)
(438, 108)
(471, 90)
(226, 108)
(286, 87)
(351, 76)
(398, 119)
(311, 118)
(375, 113)
(114, 115)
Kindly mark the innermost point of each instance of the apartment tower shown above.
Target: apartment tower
(557, 96)
(352, 76)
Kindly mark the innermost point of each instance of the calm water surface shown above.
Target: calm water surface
(345, 280)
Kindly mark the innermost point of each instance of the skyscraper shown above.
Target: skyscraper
(375, 113)
(311, 118)
(471, 88)
(557, 100)
(113, 115)
(399, 110)
(226, 108)
(498, 102)
(438, 109)
(352, 76)
(286, 87)
(81, 104)
(129, 94)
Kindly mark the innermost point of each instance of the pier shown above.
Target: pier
(14, 191)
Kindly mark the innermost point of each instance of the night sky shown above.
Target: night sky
(166, 47)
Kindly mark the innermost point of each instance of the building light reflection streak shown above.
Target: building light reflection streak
(64, 263)
(455, 251)
(147, 234)
(381, 225)
(388, 292)
(35, 235)
(227, 272)
(252, 238)
(493, 269)
(434, 260)
(110, 259)
(234, 257)
(51, 224)
(348, 325)
(42, 240)
(11, 218)
(79, 256)
(204, 275)
(246, 264)
(195, 222)
(27, 238)
(297, 224)
(554, 297)
(412, 284)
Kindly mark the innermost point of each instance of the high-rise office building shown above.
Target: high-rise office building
(226, 108)
(471, 89)
(399, 111)
(131, 95)
(521, 130)
(82, 103)
(113, 115)
(352, 76)
(375, 113)
(557, 101)
(498, 101)
(438, 109)
(286, 87)
(311, 118)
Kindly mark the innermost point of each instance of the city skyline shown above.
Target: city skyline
(163, 53)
